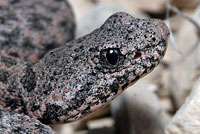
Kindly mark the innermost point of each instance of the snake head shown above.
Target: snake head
(131, 47)
(123, 50)
(86, 74)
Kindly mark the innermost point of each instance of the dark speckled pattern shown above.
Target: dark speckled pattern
(30, 28)
(14, 123)
(75, 80)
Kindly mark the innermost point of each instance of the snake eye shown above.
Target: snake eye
(112, 56)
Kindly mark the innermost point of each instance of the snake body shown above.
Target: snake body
(77, 78)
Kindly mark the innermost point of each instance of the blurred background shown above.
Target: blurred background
(150, 106)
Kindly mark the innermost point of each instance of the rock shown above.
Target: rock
(185, 3)
(138, 111)
(166, 104)
(97, 15)
(186, 120)
(29, 32)
(98, 131)
(13, 122)
(87, 122)
(63, 128)
(98, 126)
(136, 5)
(80, 7)
(184, 70)
(83, 124)
(100, 123)
(160, 78)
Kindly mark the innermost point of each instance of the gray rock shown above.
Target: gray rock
(95, 17)
(184, 69)
(186, 120)
(138, 111)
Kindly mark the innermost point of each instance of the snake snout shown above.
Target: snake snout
(164, 31)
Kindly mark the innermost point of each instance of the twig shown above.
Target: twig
(174, 9)
(174, 44)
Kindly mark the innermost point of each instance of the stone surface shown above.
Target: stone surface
(97, 15)
(184, 70)
(100, 123)
(83, 123)
(142, 112)
(136, 5)
(29, 29)
(80, 7)
(14, 123)
(166, 104)
(185, 3)
(63, 128)
(186, 120)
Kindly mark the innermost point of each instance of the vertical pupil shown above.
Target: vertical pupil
(112, 56)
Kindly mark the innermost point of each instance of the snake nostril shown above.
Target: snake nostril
(137, 55)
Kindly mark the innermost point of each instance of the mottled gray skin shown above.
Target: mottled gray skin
(30, 28)
(14, 123)
(77, 79)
